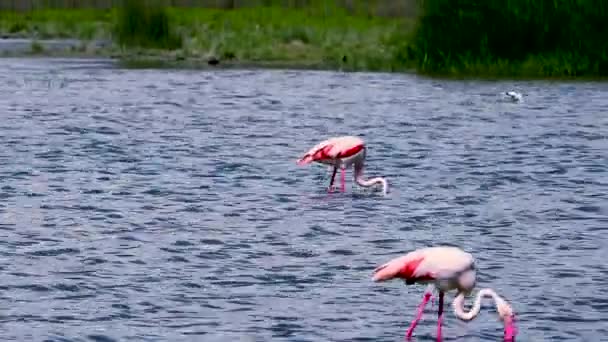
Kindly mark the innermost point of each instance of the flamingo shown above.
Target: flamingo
(445, 268)
(342, 152)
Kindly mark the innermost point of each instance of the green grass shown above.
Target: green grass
(311, 36)
(53, 23)
(319, 36)
(145, 26)
(36, 48)
(451, 38)
(514, 38)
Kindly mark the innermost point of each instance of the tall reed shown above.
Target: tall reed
(145, 23)
(546, 37)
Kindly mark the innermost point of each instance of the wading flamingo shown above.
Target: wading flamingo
(342, 152)
(446, 268)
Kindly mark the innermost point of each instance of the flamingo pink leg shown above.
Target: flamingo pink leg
(440, 316)
(342, 180)
(425, 299)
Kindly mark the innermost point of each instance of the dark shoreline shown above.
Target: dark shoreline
(70, 48)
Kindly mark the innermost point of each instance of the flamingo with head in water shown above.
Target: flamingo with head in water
(446, 268)
(342, 152)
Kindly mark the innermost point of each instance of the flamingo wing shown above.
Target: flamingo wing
(388, 270)
(333, 148)
(404, 267)
(319, 152)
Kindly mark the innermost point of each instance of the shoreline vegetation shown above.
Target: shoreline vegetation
(318, 36)
(441, 38)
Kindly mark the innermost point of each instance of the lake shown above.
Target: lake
(166, 205)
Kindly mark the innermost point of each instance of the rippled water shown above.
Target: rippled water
(157, 205)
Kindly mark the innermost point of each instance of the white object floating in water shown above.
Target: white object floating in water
(515, 96)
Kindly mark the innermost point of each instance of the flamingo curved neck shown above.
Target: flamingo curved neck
(504, 310)
(373, 181)
(369, 182)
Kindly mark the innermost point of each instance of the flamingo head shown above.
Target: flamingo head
(505, 312)
(510, 329)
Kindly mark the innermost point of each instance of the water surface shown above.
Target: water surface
(159, 205)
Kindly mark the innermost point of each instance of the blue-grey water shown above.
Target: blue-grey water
(163, 205)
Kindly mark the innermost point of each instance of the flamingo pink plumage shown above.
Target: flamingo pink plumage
(342, 152)
(446, 268)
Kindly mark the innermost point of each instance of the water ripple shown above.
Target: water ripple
(166, 205)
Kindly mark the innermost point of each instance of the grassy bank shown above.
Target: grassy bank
(321, 36)
(450, 38)
(514, 38)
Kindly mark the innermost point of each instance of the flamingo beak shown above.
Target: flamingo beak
(510, 329)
